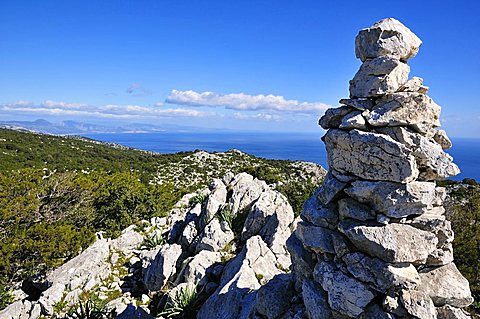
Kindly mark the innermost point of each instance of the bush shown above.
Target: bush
(6, 296)
(182, 304)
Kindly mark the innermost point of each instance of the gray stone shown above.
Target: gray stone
(360, 104)
(388, 37)
(350, 208)
(441, 138)
(395, 243)
(380, 275)
(415, 84)
(217, 198)
(330, 189)
(245, 190)
(410, 109)
(315, 300)
(395, 200)
(318, 214)
(215, 236)
(302, 260)
(162, 267)
(449, 312)
(273, 298)
(314, 238)
(333, 117)
(418, 304)
(353, 120)
(374, 311)
(446, 286)
(379, 76)
(346, 295)
(195, 269)
(370, 156)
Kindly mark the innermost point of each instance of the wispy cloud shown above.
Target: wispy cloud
(258, 116)
(136, 89)
(243, 102)
(104, 111)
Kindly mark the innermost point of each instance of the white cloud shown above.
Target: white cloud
(258, 116)
(243, 102)
(105, 111)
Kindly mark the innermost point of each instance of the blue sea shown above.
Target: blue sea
(293, 146)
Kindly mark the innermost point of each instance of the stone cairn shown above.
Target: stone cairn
(373, 241)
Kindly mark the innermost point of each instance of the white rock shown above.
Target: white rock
(215, 236)
(379, 76)
(162, 267)
(388, 37)
(353, 120)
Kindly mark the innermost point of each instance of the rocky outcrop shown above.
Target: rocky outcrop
(373, 241)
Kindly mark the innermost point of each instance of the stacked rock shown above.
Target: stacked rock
(373, 241)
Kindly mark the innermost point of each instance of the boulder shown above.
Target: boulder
(449, 312)
(415, 84)
(394, 200)
(245, 190)
(388, 37)
(195, 267)
(379, 76)
(315, 300)
(353, 120)
(446, 286)
(369, 156)
(418, 304)
(217, 197)
(350, 208)
(315, 238)
(216, 235)
(273, 298)
(333, 117)
(346, 295)
(319, 214)
(360, 104)
(162, 267)
(394, 243)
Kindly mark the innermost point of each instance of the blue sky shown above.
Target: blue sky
(153, 61)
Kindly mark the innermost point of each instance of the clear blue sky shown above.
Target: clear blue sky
(97, 61)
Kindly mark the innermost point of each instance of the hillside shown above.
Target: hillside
(57, 192)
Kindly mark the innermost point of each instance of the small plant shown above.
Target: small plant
(92, 308)
(6, 296)
(153, 241)
(197, 199)
(226, 215)
(182, 304)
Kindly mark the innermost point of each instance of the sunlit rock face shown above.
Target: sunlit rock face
(373, 241)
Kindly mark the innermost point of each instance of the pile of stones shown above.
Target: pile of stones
(373, 241)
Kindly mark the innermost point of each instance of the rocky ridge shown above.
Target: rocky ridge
(373, 241)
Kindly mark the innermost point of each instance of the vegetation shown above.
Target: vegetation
(181, 304)
(226, 215)
(91, 308)
(57, 192)
(463, 210)
(5, 295)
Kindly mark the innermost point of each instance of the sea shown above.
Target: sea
(292, 146)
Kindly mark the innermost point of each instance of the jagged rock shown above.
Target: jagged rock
(330, 189)
(17, 310)
(409, 109)
(189, 235)
(434, 221)
(395, 243)
(353, 120)
(333, 117)
(216, 235)
(369, 156)
(432, 161)
(379, 76)
(446, 286)
(315, 300)
(380, 275)
(418, 304)
(441, 138)
(388, 37)
(134, 312)
(449, 312)
(128, 241)
(50, 297)
(195, 267)
(394, 199)
(217, 197)
(245, 190)
(415, 84)
(318, 214)
(273, 298)
(360, 104)
(350, 208)
(302, 260)
(315, 238)
(375, 312)
(235, 297)
(346, 295)
(162, 267)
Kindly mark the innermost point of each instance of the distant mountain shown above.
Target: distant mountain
(73, 127)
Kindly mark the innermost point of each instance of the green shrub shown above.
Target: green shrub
(182, 304)
(6, 296)
(226, 215)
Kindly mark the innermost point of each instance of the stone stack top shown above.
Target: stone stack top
(388, 37)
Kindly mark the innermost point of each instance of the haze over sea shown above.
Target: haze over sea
(293, 146)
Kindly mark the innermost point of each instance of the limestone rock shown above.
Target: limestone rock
(162, 267)
(446, 286)
(388, 37)
(333, 117)
(216, 235)
(379, 76)
(449, 312)
(330, 189)
(346, 295)
(418, 304)
(360, 104)
(315, 300)
(395, 243)
(350, 208)
(415, 84)
(410, 109)
(441, 138)
(302, 260)
(195, 267)
(394, 199)
(318, 214)
(317, 239)
(245, 190)
(353, 120)
(370, 156)
(273, 298)
(217, 197)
